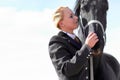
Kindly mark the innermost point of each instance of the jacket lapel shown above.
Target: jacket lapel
(70, 40)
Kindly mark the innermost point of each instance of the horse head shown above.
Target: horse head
(92, 18)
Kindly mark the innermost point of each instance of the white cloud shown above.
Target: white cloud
(112, 44)
(24, 45)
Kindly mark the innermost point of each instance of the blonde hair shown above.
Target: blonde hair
(58, 16)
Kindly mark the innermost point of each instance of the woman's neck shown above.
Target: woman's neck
(68, 31)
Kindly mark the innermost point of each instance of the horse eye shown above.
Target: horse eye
(85, 8)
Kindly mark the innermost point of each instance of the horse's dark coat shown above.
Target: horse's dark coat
(87, 10)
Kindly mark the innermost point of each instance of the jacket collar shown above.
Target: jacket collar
(70, 40)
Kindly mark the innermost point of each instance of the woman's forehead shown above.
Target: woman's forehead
(68, 11)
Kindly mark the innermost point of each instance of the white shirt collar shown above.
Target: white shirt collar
(70, 35)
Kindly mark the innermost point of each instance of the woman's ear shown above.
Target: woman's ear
(61, 24)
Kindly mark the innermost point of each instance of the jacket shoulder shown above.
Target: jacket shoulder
(58, 39)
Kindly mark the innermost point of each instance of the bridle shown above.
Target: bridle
(93, 22)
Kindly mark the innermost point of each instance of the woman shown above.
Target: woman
(70, 58)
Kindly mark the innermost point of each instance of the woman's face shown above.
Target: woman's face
(69, 21)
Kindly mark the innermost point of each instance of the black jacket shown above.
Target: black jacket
(71, 60)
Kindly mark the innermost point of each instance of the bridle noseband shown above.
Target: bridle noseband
(94, 22)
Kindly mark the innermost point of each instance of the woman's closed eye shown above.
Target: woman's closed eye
(71, 16)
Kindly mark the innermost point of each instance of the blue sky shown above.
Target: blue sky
(40, 5)
(25, 29)
(35, 4)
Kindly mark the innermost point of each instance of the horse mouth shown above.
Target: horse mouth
(97, 52)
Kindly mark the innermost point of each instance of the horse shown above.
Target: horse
(94, 11)
(92, 18)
